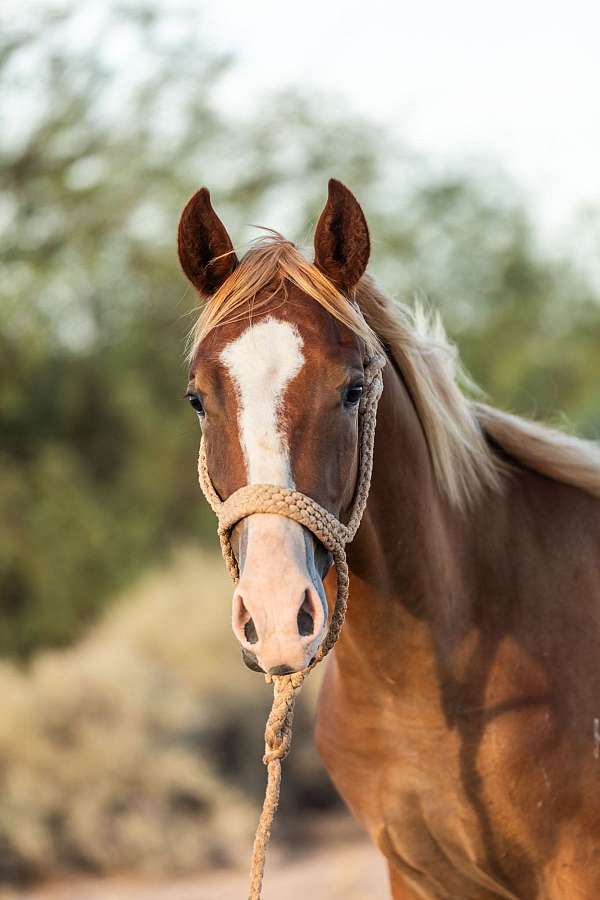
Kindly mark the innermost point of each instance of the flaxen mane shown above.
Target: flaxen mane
(455, 426)
(432, 371)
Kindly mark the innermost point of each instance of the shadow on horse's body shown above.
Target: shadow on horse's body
(460, 713)
(459, 716)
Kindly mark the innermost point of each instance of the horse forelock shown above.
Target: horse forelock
(262, 278)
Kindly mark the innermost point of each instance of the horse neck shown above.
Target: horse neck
(407, 593)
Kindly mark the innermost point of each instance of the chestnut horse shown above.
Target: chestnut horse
(460, 711)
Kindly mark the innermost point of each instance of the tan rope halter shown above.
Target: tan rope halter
(334, 535)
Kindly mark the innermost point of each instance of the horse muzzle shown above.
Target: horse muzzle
(279, 612)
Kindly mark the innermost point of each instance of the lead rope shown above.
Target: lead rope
(334, 535)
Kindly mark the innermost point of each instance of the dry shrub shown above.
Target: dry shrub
(140, 747)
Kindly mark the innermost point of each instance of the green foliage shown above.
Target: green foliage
(115, 119)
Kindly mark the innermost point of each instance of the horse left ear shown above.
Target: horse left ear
(342, 243)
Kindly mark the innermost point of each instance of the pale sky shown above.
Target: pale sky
(509, 84)
(513, 83)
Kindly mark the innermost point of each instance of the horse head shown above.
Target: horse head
(276, 378)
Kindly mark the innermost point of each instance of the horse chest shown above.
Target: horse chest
(443, 807)
(405, 787)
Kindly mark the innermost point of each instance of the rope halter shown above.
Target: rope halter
(334, 535)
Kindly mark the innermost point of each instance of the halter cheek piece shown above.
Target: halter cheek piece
(334, 535)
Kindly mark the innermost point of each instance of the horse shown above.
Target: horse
(459, 715)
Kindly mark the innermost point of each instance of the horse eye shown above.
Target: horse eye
(196, 403)
(352, 394)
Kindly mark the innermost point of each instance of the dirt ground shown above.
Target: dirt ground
(350, 871)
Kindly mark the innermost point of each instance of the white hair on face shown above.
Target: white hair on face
(261, 363)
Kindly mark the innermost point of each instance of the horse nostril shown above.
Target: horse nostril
(251, 661)
(281, 670)
(306, 622)
(250, 632)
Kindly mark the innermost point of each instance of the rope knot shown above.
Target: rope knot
(277, 752)
(278, 730)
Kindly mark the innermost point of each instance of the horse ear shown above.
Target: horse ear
(205, 250)
(342, 243)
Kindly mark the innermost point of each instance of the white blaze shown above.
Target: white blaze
(261, 363)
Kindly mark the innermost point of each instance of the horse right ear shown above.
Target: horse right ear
(205, 250)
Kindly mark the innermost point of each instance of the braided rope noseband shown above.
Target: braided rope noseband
(334, 535)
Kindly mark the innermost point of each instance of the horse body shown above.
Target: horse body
(460, 714)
